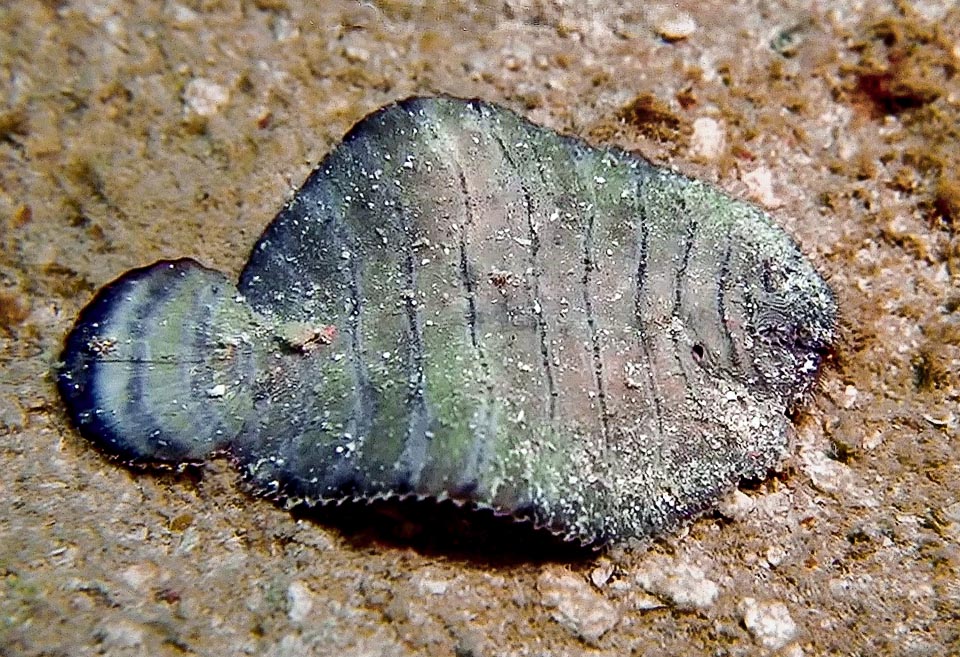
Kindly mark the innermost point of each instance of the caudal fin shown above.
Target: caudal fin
(159, 366)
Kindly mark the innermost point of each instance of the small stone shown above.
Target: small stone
(759, 184)
(217, 391)
(684, 585)
(775, 555)
(602, 573)
(793, 650)
(432, 586)
(850, 394)
(285, 29)
(299, 600)
(204, 97)
(139, 576)
(826, 475)
(952, 512)
(575, 605)
(182, 16)
(512, 63)
(737, 505)
(629, 595)
(674, 25)
(121, 634)
(356, 54)
(769, 622)
(290, 645)
(471, 643)
(645, 602)
(872, 440)
(835, 478)
(708, 138)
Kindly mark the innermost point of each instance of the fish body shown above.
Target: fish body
(460, 304)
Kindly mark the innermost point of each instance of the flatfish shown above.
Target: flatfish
(461, 305)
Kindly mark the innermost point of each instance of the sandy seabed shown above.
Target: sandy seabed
(131, 132)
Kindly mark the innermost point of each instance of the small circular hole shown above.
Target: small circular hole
(698, 352)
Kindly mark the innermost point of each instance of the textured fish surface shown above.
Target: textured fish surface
(460, 304)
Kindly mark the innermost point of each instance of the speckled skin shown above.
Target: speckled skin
(460, 304)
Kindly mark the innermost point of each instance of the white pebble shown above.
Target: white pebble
(182, 16)
(122, 634)
(829, 476)
(300, 601)
(356, 54)
(850, 394)
(872, 440)
(769, 622)
(759, 184)
(775, 555)
(602, 573)
(708, 138)
(683, 584)
(737, 505)
(140, 576)
(204, 97)
(432, 586)
(575, 605)
(218, 390)
(675, 25)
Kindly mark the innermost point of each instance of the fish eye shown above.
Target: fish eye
(698, 353)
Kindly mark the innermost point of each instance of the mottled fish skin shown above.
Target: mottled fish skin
(459, 304)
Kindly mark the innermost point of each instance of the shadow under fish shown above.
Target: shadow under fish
(459, 305)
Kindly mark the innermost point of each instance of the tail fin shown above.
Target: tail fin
(159, 366)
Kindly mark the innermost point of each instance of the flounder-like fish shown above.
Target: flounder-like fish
(459, 304)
